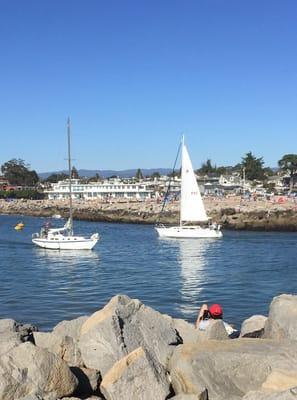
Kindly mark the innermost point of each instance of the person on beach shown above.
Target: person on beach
(209, 314)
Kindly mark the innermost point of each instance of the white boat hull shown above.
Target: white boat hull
(67, 243)
(192, 210)
(188, 232)
(63, 238)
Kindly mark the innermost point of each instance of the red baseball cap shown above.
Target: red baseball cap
(216, 310)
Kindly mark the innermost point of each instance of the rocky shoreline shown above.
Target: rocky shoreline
(231, 213)
(127, 351)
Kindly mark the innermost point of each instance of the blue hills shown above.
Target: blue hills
(127, 173)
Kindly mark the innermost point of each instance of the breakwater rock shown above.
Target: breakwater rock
(127, 350)
(229, 213)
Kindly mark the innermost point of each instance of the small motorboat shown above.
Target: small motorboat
(57, 216)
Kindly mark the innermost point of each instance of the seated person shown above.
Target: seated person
(209, 314)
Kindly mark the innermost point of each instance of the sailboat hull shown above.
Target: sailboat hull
(192, 209)
(63, 238)
(67, 243)
(190, 232)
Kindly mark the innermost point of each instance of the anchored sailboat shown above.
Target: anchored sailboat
(192, 209)
(63, 238)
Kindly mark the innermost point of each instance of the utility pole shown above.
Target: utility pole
(243, 177)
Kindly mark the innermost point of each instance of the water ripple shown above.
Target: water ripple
(243, 271)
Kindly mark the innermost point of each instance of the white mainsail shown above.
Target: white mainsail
(191, 204)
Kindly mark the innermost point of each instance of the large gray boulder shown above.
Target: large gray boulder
(186, 331)
(85, 398)
(8, 341)
(7, 325)
(253, 326)
(28, 370)
(290, 394)
(122, 326)
(12, 334)
(26, 331)
(136, 376)
(70, 328)
(229, 369)
(279, 380)
(64, 346)
(63, 340)
(215, 331)
(282, 318)
(182, 396)
(88, 381)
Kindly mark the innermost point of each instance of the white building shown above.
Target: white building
(231, 180)
(100, 190)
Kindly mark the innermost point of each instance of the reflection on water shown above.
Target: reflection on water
(67, 262)
(66, 256)
(193, 261)
(68, 265)
(175, 277)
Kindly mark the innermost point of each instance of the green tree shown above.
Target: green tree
(237, 168)
(96, 178)
(221, 171)
(253, 167)
(207, 168)
(270, 186)
(176, 173)
(139, 175)
(18, 173)
(54, 178)
(22, 194)
(288, 163)
(268, 171)
(74, 173)
(155, 175)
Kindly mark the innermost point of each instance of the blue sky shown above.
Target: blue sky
(134, 75)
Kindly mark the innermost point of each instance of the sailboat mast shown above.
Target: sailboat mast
(181, 188)
(70, 186)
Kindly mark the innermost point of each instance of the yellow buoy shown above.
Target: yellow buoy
(19, 226)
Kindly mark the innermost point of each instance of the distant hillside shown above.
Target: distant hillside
(127, 173)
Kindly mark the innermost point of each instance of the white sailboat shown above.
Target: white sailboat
(192, 209)
(63, 238)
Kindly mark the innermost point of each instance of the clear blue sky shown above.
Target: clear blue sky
(133, 75)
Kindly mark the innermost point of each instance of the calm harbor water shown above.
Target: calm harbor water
(242, 272)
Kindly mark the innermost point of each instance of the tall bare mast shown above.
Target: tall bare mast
(70, 186)
(182, 144)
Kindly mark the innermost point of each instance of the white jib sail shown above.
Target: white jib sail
(191, 207)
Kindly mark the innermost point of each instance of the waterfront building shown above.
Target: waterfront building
(4, 183)
(223, 185)
(115, 189)
(6, 186)
(145, 189)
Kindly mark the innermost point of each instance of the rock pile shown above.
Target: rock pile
(128, 351)
(252, 216)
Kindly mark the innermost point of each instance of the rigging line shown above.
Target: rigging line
(70, 177)
(169, 185)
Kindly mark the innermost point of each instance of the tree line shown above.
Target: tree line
(252, 168)
(17, 172)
